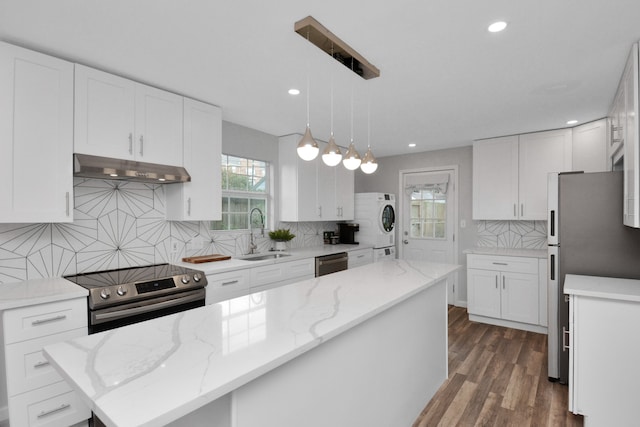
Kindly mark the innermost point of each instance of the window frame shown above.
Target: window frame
(267, 195)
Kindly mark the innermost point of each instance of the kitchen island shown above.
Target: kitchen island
(366, 346)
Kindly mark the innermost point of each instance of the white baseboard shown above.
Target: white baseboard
(508, 324)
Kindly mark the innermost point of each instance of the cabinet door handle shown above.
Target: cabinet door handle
(496, 282)
(521, 209)
(48, 320)
(54, 410)
(189, 206)
(565, 339)
(515, 211)
(500, 263)
(320, 211)
(130, 143)
(67, 202)
(229, 283)
(503, 282)
(142, 145)
(41, 364)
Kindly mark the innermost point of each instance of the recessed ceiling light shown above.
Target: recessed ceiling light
(496, 27)
(294, 92)
(412, 145)
(572, 122)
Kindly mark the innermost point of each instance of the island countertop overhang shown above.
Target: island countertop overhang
(205, 353)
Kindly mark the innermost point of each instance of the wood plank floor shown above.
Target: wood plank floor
(497, 377)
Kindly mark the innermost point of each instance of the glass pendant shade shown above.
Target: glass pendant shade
(332, 155)
(351, 159)
(369, 164)
(308, 147)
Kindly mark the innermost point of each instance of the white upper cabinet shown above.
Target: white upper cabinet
(117, 117)
(104, 114)
(589, 148)
(624, 145)
(540, 154)
(311, 190)
(159, 120)
(345, 192)
(200, 199)
(495, 178)
(36, 137)
(631, 141)
(510, 174)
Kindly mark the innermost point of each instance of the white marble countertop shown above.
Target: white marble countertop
(531, 253)
(38, 291)
(237, 263)
(202, 354)
(602, 287)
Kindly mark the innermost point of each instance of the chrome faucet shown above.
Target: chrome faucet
(252, 244)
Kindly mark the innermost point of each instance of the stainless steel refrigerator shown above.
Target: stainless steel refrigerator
(585, 236)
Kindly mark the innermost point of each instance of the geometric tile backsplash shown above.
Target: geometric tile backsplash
(512, 234)
(122, 224)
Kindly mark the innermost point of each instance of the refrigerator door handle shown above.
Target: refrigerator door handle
(566, 337)
(552, 208)
(552, 264)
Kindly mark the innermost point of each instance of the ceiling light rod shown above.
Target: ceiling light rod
(320, 36)
(308, 147)
(351, 158)
(332, 155)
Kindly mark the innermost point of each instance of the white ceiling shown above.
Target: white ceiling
(445, 80)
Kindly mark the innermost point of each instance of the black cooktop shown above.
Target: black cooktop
(120, 276)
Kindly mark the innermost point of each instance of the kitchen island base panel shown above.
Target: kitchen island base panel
(380, 373)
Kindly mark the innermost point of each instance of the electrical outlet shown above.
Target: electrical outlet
(174, 246)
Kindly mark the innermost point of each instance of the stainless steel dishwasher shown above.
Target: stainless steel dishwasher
(327, 264)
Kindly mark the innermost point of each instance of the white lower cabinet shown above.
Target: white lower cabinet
(224, 286)
(505, 290)
(604, 350)
(38, 396)
(283, 273)
(233, 284)
(360, 257)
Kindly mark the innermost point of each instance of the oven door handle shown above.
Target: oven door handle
(127, 312)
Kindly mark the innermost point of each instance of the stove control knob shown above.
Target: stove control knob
(197, 277)
(105, 293)
(185, 279)
(121, 291)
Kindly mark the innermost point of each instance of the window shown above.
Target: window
(428, 214)
(245, 186)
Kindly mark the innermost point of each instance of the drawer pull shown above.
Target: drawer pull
(500, 263)
(48, 320)
(229, 283)
(41, 364)
(360, 256)
(53, 411)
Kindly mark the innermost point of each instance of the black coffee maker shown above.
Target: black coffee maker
(348, 232)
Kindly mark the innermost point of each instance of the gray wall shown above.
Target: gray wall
(386, 178)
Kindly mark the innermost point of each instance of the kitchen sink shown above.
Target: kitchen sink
(262, 257)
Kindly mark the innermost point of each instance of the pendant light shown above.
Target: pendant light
(332, 155)
(351, 159)
(369, 163)
(308, 147)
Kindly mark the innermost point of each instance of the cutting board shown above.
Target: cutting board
(206, 258)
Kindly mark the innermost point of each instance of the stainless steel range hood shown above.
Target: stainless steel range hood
(87, 166)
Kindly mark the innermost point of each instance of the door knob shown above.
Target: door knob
(405, 241)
